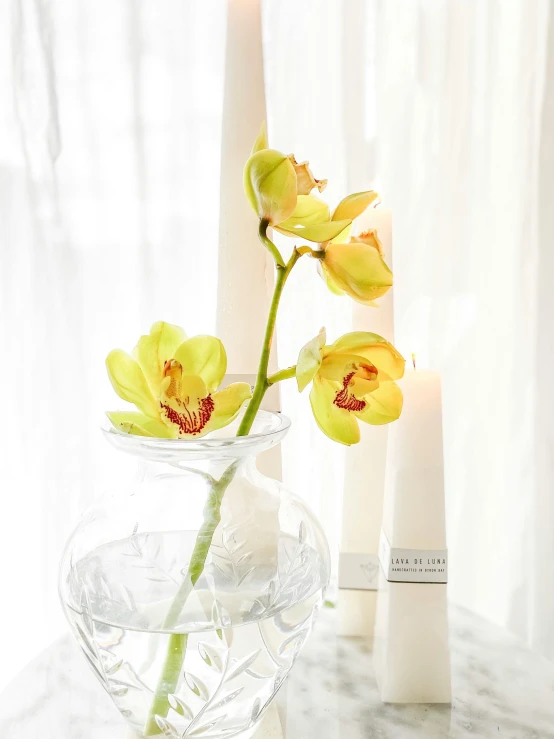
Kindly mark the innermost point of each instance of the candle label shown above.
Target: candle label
(358, 571)
(413, 565)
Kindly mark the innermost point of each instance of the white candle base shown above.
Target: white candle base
(356, 613)
(410, 652)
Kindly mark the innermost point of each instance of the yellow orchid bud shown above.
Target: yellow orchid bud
(358, 270)
(371, 238)
(270, 185)
(305, 181)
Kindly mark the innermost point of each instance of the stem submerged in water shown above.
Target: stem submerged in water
(177, 644)
(175, 657)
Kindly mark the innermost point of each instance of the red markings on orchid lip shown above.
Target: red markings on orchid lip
(189, 422)
(344, 399)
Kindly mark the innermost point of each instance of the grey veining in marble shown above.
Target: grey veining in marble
(501, 689)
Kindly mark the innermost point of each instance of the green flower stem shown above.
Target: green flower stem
(314, 253)
(212, 517)
(177, 644)
(284, 374)
(268, 243)
(262, 382)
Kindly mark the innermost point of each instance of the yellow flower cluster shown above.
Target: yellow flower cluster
(174, 381)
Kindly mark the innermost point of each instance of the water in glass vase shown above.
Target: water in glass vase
(234, 642)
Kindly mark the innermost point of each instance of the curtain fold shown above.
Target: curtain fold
(110, 134)
(462, 141)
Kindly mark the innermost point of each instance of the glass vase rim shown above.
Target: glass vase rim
(268, 430)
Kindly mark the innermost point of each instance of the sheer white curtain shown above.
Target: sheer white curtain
(445, 106)
(109, 159)
(109, 154)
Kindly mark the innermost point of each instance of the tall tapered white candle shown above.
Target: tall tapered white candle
(245, 271)
(365, 462)
(245, 283)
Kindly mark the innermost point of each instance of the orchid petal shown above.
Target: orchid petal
(309, 210)
(383, 405)
(261, 139)
(270, 185)
(372, 347)
(354, 205)
(317, 232)
(227, 404)
(359, 270)
(138, 424)
(344, 235)
(155, 349)
(204, 356)
(328, 280)
(129, 382)
(371, 238)
(363, 377)
(185, 404)
(309, 360)
(337, 423)
(305, 181)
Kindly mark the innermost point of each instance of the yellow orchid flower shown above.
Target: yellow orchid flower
(355, 265)
(352, 380)
(173, 382)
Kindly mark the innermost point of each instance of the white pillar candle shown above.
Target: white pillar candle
(411, 653)
(365, 462)
(414, 516)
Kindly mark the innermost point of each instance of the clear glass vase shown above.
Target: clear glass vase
(192, 591)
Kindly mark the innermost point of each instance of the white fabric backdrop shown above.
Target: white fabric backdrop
(109, 147)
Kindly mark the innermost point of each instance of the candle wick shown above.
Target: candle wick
(413, 361)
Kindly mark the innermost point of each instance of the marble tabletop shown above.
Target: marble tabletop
(501, 689)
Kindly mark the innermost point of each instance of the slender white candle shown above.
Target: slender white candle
(411, 653)
(365, 463)
(245, 271)
(245, 283)
(414, 516)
